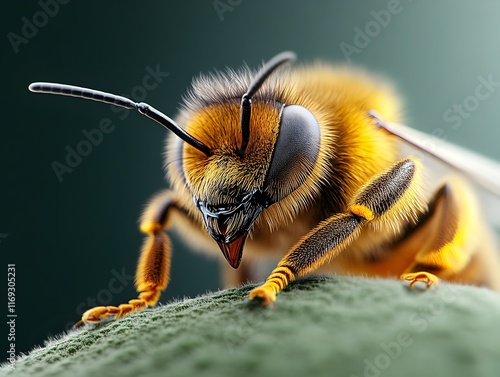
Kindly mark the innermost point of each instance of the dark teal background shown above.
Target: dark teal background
(66, 238)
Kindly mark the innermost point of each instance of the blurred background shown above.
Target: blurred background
(73, 235)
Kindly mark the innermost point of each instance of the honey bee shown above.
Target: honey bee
(305, 165)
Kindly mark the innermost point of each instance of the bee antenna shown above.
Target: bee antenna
(143, 108)
(246, 100)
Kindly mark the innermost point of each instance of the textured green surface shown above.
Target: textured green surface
(327, 326)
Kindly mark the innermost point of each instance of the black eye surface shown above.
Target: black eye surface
(295, 152)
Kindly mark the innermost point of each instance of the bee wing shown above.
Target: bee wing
(441, 156)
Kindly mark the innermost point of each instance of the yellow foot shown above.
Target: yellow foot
(97, 314)
(265, 293)
(425, 277)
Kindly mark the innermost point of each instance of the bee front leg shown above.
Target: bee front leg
(153, 268)
(325, 241)
(390, 194)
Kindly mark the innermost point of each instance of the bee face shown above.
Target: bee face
(231, 190)
(227, 187)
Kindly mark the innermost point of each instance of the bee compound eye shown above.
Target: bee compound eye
(295, 152)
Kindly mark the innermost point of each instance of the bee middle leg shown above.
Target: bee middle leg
(391, 194)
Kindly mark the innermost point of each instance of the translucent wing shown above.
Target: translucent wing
(442, 156)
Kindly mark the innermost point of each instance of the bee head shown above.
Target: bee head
(227, 188)
(260, 153)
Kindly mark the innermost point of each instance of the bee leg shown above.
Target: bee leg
(322, 243)
(387, 194)
(448, 249)
(153, 268)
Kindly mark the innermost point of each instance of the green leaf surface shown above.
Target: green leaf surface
(319, 326)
